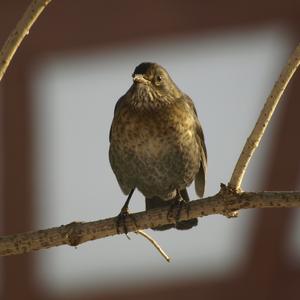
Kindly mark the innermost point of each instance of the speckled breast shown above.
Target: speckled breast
(154, 151)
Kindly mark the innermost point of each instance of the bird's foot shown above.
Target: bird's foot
(178, 204)
(121, 221)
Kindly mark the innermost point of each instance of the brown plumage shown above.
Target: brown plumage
(156, 141)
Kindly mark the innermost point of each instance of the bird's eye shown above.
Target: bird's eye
(158, 79)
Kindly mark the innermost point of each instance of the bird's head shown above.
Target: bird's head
(152, 86)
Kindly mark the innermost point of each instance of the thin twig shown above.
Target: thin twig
(263, 120)
(17, 35)
(77, 233)
(154, 243)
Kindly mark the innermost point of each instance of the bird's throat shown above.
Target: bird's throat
(146, 98)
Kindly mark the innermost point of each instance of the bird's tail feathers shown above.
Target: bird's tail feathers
(156, 202)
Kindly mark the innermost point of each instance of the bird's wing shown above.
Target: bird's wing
(117, 108)
(200, 176)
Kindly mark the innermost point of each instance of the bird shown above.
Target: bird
(157, 144)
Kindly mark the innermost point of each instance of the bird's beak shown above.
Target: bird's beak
(139, 78)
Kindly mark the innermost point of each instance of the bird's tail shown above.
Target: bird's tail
(156, 202)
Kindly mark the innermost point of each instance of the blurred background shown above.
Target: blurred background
(56, 106)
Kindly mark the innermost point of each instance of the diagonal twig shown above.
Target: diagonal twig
(17, 35)
(155, 244)
(263, 120)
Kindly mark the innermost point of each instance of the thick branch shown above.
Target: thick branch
(263, 120)
(17, 35)
(77, 233)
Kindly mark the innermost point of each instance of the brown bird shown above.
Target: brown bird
(157, 143)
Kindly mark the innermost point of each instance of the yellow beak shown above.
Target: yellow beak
(139, 78)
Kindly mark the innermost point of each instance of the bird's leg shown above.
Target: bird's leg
(181, 200)
(121, 218)
(185, 201)
(174, 203)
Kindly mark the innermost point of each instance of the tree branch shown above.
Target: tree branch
(263, 120)
(17, 35)
(77, 233)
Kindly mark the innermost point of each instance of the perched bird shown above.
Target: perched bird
(156, 142)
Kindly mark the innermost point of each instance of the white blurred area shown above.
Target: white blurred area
(228, 76)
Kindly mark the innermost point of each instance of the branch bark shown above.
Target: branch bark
(18, 34)
(77, 233)
(263, 120)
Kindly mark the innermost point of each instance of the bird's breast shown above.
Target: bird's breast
(155, 152)
(152, 134)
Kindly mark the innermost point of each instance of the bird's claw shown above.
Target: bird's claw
(121, 222)
(178, 204)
